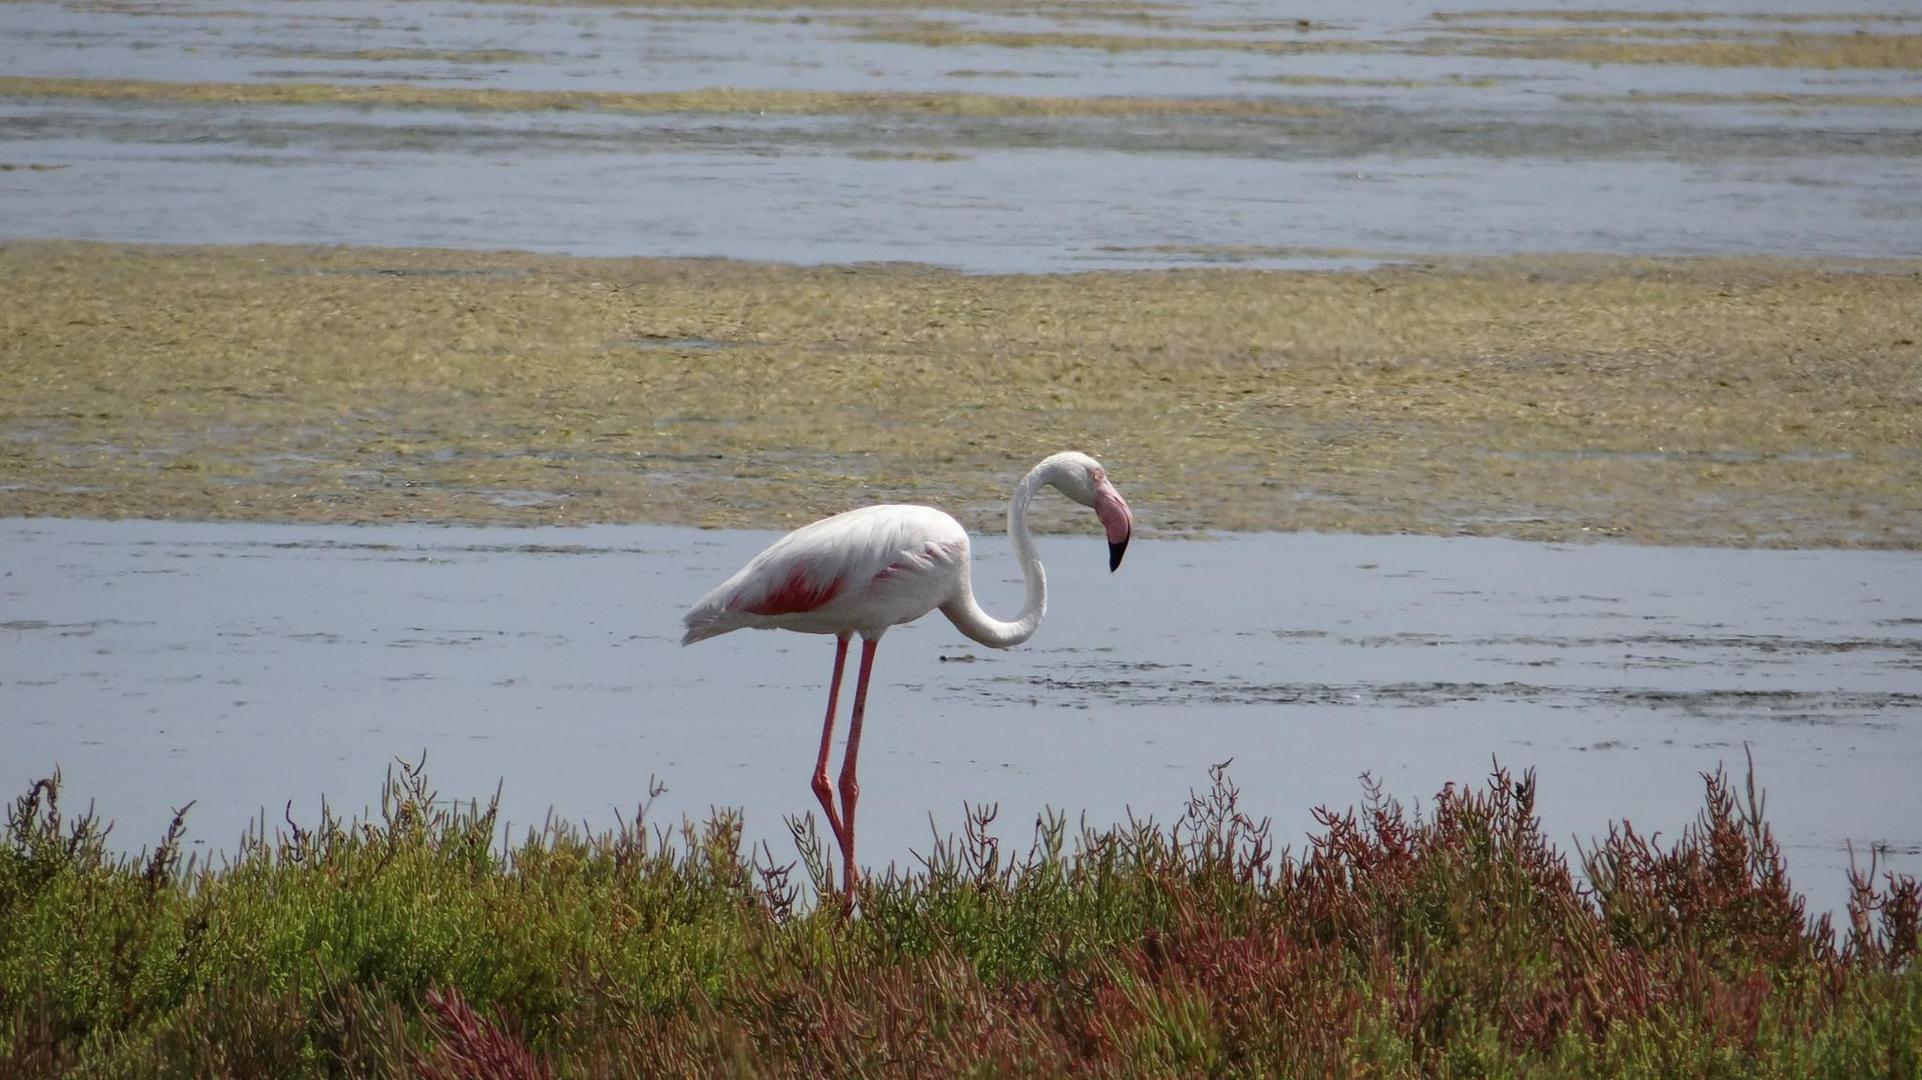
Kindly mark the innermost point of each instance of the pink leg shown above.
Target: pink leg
(850, 789)
(822, 789)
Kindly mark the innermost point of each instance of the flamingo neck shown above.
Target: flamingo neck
(966, 613)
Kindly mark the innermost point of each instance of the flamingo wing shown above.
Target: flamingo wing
(864, 570)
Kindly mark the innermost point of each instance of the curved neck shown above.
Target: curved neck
(966, 613)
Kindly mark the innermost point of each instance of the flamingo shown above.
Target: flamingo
(866, 570)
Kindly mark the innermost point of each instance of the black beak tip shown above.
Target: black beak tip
(1115, 551)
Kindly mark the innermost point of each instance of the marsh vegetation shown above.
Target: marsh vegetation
(1451, 941)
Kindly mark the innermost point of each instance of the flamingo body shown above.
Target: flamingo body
(861, 572)
(867, 570)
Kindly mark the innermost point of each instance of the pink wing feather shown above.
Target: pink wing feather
(795, 593)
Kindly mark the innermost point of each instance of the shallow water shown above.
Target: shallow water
(246, 665)
(1423, 151)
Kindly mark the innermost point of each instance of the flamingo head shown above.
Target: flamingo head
(1084, 480)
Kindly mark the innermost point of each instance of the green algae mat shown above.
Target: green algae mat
(1702, 401)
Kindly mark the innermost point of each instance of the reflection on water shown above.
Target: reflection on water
(244, 666)
(1430, 139)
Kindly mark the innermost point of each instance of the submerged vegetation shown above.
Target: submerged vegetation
(1706, 48)
(1452, 942)
(1581, 42)
(723, 100)
(1786, 100)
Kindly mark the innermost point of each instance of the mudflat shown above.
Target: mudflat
(1689, 401)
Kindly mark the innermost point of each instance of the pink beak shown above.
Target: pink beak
(1115, 516)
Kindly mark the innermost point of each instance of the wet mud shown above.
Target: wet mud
(1683, 401)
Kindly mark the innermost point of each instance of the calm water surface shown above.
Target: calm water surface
(246, 665)
(1425, 147)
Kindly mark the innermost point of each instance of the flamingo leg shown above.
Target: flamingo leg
(823, 790)
(850, 789)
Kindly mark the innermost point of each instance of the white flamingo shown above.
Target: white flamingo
(866, 570)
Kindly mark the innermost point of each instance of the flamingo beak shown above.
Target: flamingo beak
(1116, 518)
